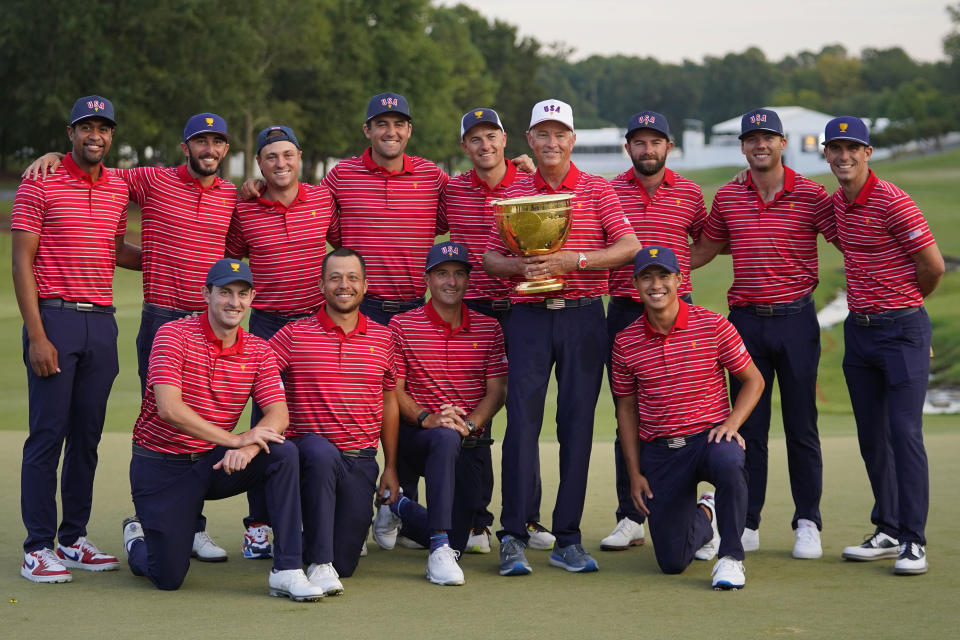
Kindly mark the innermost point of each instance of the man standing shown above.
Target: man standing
(567, 331)
(451, 381)
(892, 263)
(202, 371)
(387, 204)
(340, 377)
(283, 232)
(664, 209)
(185, 213)
(771, 222)
(668, 380)
(67, 238)
(465, 208)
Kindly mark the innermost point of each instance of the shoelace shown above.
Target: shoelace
(87, 547)
(48, 558)
(806, 535)
(622, 526)
(725, 563)
(910, 550)
(204, 537)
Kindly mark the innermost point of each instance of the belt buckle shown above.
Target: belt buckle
(862, 319)
(196, 455)
(389, 306)
(84, 306)
(676, 443)
(555, 303)
(765, 310)
(500, 305)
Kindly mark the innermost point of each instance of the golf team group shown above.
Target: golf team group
(346, 355)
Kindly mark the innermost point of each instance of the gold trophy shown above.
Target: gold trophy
(533, 226)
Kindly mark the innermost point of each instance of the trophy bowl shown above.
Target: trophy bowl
(531, 226)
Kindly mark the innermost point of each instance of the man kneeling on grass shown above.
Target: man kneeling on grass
(202, 371)
(668, 379)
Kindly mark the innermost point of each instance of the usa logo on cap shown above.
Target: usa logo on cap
(388, 102)
(646, 119)
(552, 108)
(96, 105)
(758, 118)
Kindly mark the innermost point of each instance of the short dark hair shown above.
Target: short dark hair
(344, 252)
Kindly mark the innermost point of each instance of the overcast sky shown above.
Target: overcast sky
(674, 30)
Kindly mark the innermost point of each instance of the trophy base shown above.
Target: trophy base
(534, 287)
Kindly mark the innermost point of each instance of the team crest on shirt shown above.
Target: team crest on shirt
(843, 127)
(243, 367)
(693, 345)
(678, 202)
(415, 185)
(371, 350)
(474, 345)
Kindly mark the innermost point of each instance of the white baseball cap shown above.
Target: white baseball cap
(552, 110)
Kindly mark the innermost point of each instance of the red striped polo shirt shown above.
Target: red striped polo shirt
(773, 244)
(464, 206)
(183, 231)
(215, 382)
(598, 222)
(675, 213)
(447, 365)
(286, 246)
(678, 378)
(390, 217)
(335, 381)
(879, 231)
(78, 221)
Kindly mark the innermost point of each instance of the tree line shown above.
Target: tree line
(313, 64)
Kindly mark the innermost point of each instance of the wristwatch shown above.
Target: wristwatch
(423, 415)
(471, 425)
(581, 261)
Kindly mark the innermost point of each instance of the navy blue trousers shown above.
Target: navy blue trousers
(788, 347)
(574, 340)
(678, 527)
(336, 494)
(66, 408)
(886, 367)
(151, 319)
(168, 496)
(263, 325)
(418, 520)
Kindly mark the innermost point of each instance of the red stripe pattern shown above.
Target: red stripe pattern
(879, 231)
(335, 381)
(675, 213)
(598, 222)
(773, 244)
(78, 222)
(465, 209)
(215, 382)
(390, 218)
(286, 247)
(678, 378)
(183, 232)
(445, 365)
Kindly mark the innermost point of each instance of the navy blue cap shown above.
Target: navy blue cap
(648, 120)
(205, 123)
(387, 103)
(227, 270)
(847, 128)
(760, 120)
(472, 118)
(447, 252)
(276, 133)
(651, 255)
(92, 107)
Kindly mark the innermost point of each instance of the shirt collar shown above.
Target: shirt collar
(368, 162)
(443, 325)
(184, 174)
(81, 175)
(211, 337)
(569, 181)
(669, 179)
(866, 190)
(272, 204)
(506, 181)
(789, 178)
(329, 325)
(683, 318)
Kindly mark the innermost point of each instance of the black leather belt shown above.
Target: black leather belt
(359, 453)
(395, 306)
(176, 457)
(284, 317)
(677, 442)
(60, 303)
(562, 303)
(169, 312)
(781, 309)
(500, 304)
(883, 317)
(472, 442)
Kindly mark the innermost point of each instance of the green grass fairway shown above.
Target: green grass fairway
(389, 597)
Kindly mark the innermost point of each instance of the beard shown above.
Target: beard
(643, 166)
(198, 168)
